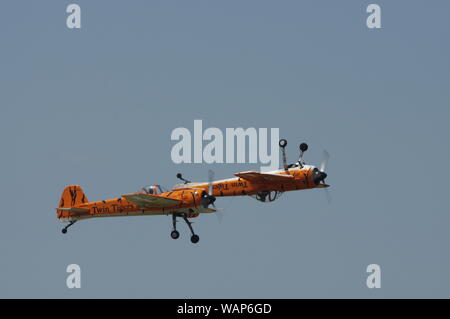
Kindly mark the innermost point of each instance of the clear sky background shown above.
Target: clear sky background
(96, 107)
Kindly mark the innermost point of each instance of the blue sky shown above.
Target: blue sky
(96, 107)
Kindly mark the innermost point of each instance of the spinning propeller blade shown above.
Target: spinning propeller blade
(323, 166)
(218, 213)
(210, 181)
(207, 197)
(328, 195)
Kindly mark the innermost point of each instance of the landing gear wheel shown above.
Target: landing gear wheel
(64, 230)
(174, 234)
(195, 239)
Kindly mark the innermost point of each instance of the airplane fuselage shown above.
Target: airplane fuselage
(236, 186)
(189, 196)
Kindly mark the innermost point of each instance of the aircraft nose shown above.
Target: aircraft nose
(319, 177)
(207, 199)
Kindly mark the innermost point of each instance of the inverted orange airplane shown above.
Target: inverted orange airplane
(189, 200)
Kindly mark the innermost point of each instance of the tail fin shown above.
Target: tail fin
(72, 196)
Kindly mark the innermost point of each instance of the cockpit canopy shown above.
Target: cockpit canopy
(152, 189)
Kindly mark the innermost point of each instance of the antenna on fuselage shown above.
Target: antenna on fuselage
(282, 145)
(303, 149)
(179, 176)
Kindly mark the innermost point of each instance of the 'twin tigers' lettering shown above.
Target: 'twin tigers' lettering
(114, 209)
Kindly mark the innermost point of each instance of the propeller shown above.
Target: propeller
(207, 197)
(328, 195)
(322, 168)
(320, 175)
(210, 181)
(211, 197)
(324, 163)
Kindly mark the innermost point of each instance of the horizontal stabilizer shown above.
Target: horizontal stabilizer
(76, 210)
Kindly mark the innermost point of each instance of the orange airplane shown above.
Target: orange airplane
(189, 200)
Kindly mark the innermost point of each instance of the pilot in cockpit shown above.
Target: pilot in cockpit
(152, 189)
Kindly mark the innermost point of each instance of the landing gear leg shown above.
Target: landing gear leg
(174, 234)
(194, 237)
(64, 230)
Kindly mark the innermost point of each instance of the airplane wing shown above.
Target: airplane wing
(147, 200)
(257, 177)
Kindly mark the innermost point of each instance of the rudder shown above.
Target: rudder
(72, 196)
